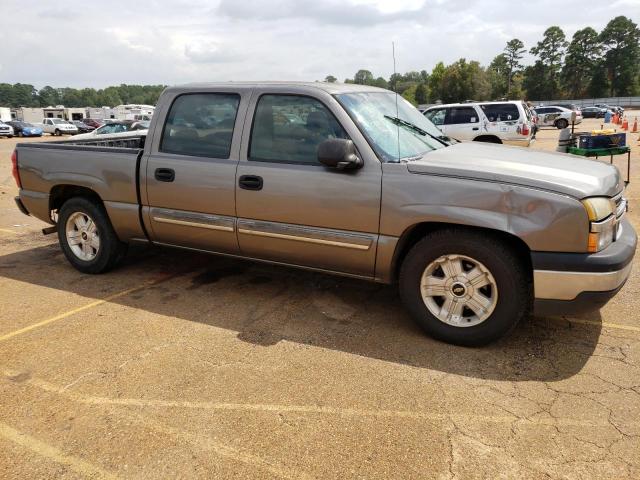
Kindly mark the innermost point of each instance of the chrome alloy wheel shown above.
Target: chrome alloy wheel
(459, 290)
(82, 236)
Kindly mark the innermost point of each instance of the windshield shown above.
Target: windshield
(58, 122)
(401, 133)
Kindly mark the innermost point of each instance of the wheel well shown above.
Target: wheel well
(61, 193)
(487, 139)
(415, 233)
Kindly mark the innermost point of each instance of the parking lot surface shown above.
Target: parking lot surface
(181, 365)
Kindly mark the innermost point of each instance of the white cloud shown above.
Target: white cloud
(176, 41)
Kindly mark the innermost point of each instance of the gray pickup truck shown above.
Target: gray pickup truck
(344, 179)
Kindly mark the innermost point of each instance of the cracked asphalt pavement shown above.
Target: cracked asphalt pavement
(182, 365)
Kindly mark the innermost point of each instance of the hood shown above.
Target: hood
(558, 172)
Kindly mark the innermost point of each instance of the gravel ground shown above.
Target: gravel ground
(187, 365)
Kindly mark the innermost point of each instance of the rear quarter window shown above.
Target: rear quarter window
(501, 112)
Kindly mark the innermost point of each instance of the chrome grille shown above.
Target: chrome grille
(621, 207)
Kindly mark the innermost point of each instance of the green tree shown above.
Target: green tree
(330, 79)
(48, 96)
(422, 94)
(499, 76)
(513, 53)
(363, 77)
(598, 83)
(410, 94)
(535, 82)
(435, 81)
(551, 51)
(621, 43)
(581, 59)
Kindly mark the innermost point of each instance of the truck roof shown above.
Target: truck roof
(332, 88)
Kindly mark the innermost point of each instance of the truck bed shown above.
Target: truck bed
(107, 167)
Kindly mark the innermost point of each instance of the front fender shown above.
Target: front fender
(545, 221)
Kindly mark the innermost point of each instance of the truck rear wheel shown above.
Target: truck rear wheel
(465, 287)
(87, 237)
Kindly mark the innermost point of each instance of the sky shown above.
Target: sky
(97, 44)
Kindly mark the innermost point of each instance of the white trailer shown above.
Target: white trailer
(5, 114)
(100, 113)
(29, 115)
(75, 113)
(134, 112)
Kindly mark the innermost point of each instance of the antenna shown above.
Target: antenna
(395, 89)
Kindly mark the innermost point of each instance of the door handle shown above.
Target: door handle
(475, 128)
(165, 174)
(250, 182)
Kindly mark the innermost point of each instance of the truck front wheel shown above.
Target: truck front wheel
(87, 237)
(465, 287)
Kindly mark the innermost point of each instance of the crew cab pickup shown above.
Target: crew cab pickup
(344, 179)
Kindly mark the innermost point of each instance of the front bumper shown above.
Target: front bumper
(572, 283)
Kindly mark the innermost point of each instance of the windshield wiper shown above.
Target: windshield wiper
(417, 129)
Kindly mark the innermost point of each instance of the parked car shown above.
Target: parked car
(57, 126)
(92, 123)
(558, 117)
(474, 234)
(115, 127)
(568, 106)
(83, 127)
(507, 122)
(25, 129)
(614, 109)
(593, 112)
(6, 130)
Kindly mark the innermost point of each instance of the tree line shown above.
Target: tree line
(593, 64)
(25, 95)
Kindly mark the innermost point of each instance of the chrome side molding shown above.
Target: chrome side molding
(298, 233)
(191, 219)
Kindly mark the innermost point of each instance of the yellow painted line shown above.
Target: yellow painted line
(203, 442)
(52, 453)
(8, 231)
(308, 409)
(83, 308)
(619, 326)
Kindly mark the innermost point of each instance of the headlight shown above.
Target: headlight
(599, 208)
(602, 222)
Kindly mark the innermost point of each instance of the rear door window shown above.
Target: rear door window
(501, 112)
(458, 115)
(201, 125)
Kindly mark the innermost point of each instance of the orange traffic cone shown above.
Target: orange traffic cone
(635, 126)
(625, 124)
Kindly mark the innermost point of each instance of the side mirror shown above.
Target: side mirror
(339, 153)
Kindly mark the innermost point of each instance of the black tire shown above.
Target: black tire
(111, 250)
(508, 270)
(57, 133)
(9, 136)
(562, 123)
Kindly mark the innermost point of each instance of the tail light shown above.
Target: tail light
(525, 129)
(15, 171)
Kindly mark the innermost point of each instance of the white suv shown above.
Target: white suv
(558, 117)
(507, 122)
(58, 126)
